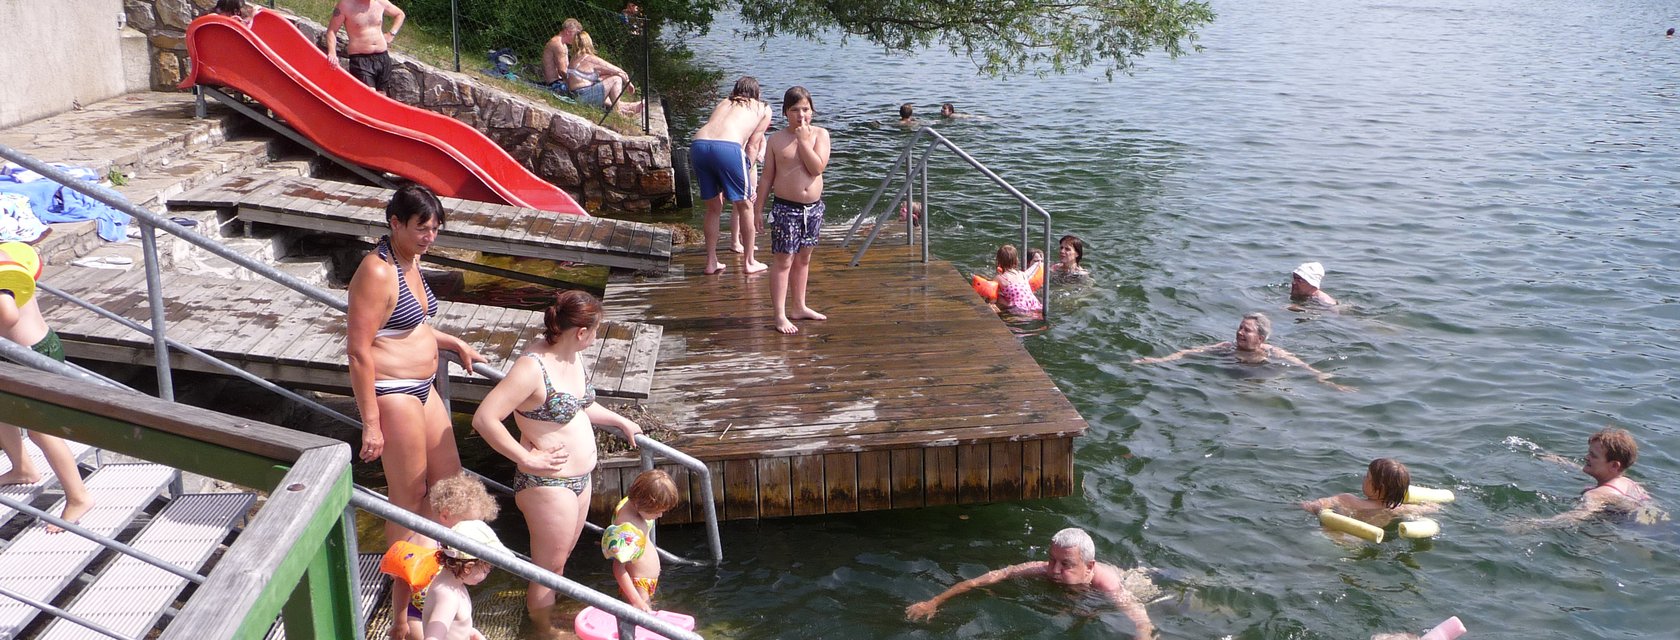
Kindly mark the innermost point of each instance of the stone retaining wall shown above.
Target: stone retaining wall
(601, 168)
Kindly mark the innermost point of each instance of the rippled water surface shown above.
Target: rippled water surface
(1491, 185)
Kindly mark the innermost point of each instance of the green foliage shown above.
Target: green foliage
(1002, 37)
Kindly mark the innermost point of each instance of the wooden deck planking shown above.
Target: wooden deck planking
(912, 394)
(343, 208)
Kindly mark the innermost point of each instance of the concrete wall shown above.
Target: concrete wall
(57, 53)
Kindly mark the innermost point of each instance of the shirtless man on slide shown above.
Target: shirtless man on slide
(364, 21)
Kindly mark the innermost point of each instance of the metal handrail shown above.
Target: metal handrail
(148, 220)
(154, 287)
(913, 167)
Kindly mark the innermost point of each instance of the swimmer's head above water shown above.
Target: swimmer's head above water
(1386, 481)
(1253, 331)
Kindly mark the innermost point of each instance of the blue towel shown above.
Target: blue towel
(53, 202)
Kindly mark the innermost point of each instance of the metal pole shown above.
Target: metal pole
(455, 32)
(927, 211)
(910, 204)
(1024, 244)
(886, 181)
(102, 540)
(647, 75)
(154, 296)
(60, 613)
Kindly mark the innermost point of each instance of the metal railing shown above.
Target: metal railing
(917, 167)
(149, 221)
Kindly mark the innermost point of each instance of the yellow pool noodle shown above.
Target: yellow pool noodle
(1338, 522)
(1419, 528)
(1425, 495)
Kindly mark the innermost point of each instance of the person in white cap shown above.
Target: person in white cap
(1303, 285)
(448, 614)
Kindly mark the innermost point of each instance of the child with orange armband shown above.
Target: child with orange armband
(412, 563)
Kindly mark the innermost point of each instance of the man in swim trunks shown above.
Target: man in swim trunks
(368, 55)
(720, 157)
(1073, 564)
(793, 169)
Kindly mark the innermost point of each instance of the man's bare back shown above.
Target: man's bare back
(736, 121)
(364, 22)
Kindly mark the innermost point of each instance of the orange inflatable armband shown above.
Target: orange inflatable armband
(410, 563)
(1037, 278)
(986, 288)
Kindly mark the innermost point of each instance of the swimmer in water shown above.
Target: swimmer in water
(1073, 564)
(1610, 452)
(1303, 285)
(1250, 348)
(1386, 481)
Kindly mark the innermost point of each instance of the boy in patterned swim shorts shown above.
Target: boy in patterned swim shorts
(793, 167)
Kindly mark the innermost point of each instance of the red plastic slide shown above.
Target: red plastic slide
(274, 63)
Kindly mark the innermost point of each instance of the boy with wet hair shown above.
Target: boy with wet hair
(1610, 452)
(793, 170)
(907, 113)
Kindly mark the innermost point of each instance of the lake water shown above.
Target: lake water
(1491, 185)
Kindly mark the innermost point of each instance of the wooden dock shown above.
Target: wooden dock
(913, 393)
(284, 337)
(358, 210)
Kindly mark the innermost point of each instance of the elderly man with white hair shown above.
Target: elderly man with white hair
(1250, 347)
(1073, 564)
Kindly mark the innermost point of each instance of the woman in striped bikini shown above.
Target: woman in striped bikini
(393, 357)
(548, 393)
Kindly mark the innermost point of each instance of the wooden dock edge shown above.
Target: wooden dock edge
(850, 481)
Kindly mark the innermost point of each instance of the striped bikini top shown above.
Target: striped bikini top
(407, 315)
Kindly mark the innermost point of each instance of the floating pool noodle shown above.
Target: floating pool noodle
(595, 624)
(1338, 522)
(1425, 495)
(1448, 630)
(1419, 528)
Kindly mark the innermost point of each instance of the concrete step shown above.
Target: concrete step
(125, 132)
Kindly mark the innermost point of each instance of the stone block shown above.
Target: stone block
(537, 118)
(167, 72)
(556, 166)
(169, 39)
(140, 14)
(506, 113)
(638, 158)
(604, 155)
(437, 90)
(176, 13)
(570, 131)
(658, 182)
(404, 87)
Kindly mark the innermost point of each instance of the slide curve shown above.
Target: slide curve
(274, 63)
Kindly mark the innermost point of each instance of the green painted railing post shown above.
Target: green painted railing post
(323, 605)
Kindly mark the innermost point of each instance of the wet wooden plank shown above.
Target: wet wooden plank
(809, 492)
(1006, 471)
(1032, 469)
(740, 489)
(907, 478)
(775, 487)
(642, 362)
(840, 474)
(874, 480)
(609, 487)
(608, 370)
(941, 476)
(973, 473)
(1058, 467)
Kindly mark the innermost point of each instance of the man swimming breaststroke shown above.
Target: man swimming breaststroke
(367, 52)
(1250, 348)
(1073, 564)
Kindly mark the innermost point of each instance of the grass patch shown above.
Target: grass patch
(432, 45)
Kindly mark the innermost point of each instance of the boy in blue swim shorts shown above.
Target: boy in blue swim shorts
(719, 156)
(793, 168)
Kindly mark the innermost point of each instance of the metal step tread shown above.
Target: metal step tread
(130, 595)
(40, 564)
(374, 587)
(28, 492)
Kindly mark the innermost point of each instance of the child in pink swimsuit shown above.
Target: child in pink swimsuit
(1015, 292)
